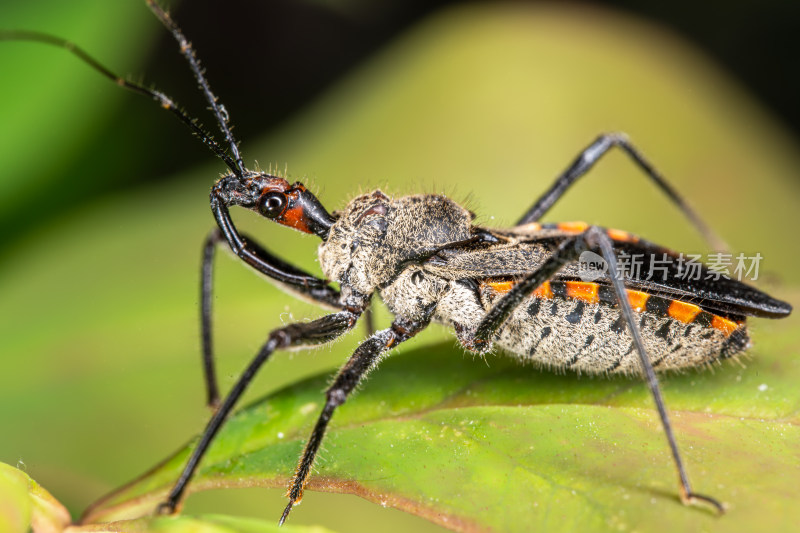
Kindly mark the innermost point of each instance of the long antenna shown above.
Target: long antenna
(219, 110)
(164, 101)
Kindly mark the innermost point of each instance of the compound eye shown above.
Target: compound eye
(272, 204)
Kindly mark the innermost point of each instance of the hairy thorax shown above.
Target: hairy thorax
(375, 238)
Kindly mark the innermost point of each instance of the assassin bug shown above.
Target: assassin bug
(519, 288)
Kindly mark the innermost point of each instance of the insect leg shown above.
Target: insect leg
(586, 160)
(319, 331)
(479, 341)
(364, 359)
(271, 266)
(569, 250)
(596, 239)
(291, 277)
(206, 289)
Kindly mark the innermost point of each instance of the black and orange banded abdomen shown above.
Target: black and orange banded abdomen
(577, 325)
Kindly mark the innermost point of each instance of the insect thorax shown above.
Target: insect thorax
(376, 237)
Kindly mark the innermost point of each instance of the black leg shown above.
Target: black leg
(318, 331)
(206, 292)
(365, 358)
(285, 274)
(586, 161)
(597, 239)
(291, 277)
(570, 249)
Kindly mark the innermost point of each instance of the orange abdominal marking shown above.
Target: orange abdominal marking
(638, 299)
(543, 291)
(619, 235)
(589, 292)
(683, 312)
(586, 291)
(501, 286)
(724, 325)
(573, 227)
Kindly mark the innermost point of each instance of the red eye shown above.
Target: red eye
(272, 204)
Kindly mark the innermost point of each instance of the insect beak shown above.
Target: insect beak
(305, 213)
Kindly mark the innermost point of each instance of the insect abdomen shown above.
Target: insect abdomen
(577, 325)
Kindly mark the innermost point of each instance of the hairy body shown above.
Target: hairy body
(403, 249)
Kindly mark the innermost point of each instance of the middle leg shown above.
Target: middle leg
(319, 331)
(364, 359)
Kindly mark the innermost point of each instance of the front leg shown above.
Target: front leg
(283, 273)
(319, 331)
(364, 359)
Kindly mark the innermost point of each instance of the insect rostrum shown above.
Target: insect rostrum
(518, 289)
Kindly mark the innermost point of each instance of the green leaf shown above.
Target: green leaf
(189, 524)
(15, 507)
(25, 504)
(476, 445)
(220, 524)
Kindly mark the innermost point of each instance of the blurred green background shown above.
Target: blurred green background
(103, 197)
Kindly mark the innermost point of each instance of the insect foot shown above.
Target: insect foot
(691, 498)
